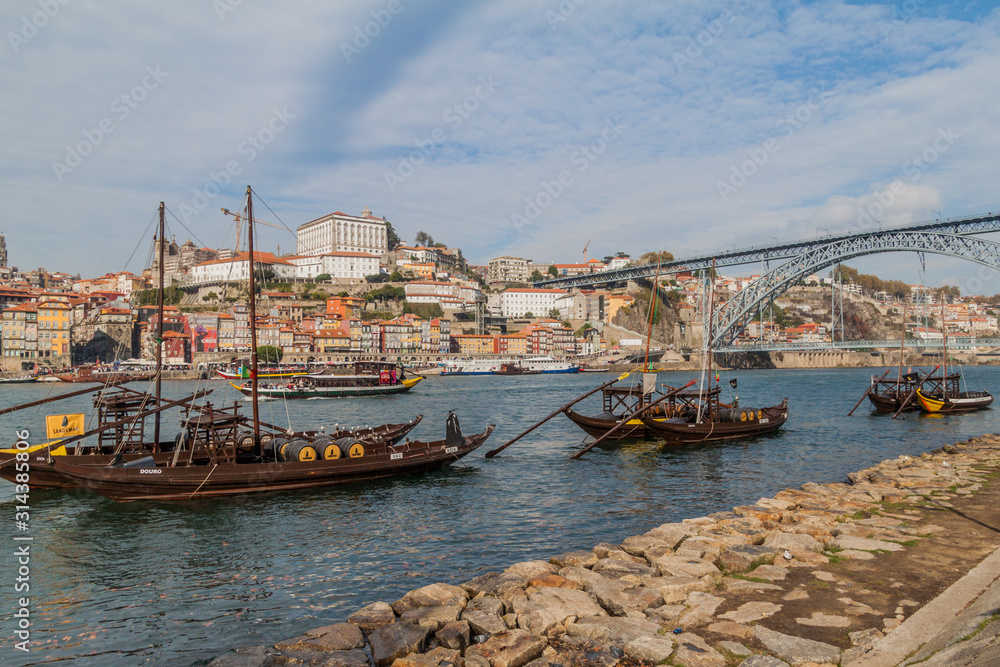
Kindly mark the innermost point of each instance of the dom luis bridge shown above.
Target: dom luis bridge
(799, 259)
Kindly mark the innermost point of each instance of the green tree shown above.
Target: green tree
(424, 239)
(396, 277)
(424, 310)
(554, 313)
(392, 239)
(323, 277)
(536, 276)
(661, 257)
(553, 271)
(529, 314)
(211, 296)
(270, 354)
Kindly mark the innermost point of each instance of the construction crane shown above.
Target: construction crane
(240, 218)
(585, 250)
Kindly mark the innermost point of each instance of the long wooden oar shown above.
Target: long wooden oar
(69, 394)
(915, 389)
(865, 395)
(129, 420)
(493, 452)
(625, 420)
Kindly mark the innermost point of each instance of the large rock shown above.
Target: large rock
(742, 557)
(763, 661)
(325, 658)
(373, 616)
(653, 650)
(672, 534)
(510, 649)
(514, 577)
(455, 635)
(675, 566)
(575, 559)
(613, 568)
(676, 589)
(793, 542)
(580, 575)
(484, 616)
(751, 611)
(618, 596)
(612, 629)
(647, 546)
(395, 641)
(701, 607)
(692, 651)
(439, 657)
(864, 544)
(434, 618)
(796, 650)
(339, 637)
(548, 607)
(431, 596)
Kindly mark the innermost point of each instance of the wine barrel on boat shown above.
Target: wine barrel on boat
(298, 450)
(352, 447)
(326, 448)
(272, 448)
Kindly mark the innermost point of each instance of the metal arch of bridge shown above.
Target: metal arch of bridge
(979, 224)
(734, 316)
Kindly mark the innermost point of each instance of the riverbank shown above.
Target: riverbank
(826, 574)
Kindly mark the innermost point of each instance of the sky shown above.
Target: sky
(503, 127)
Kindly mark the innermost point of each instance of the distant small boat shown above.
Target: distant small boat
(369, 378)
(514, 369)
(593, 369)
(18, 380)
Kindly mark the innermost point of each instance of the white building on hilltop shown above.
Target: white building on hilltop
(339, 232)
(538, 302)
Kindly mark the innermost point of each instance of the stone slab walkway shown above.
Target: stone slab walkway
(899, 565)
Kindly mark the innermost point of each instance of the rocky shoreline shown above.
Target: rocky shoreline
(812, 576)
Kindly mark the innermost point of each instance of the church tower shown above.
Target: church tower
(3, 251)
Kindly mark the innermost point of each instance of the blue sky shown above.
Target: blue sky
(501, 127)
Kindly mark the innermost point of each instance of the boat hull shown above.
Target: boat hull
(44, 476)
(962, 403)
(890, 402)
(331, 392)
(680, 432)
(598, 426)
(163, 482)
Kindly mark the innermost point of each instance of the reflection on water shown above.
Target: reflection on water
(175, 583)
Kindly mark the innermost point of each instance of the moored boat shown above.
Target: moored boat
(698, 416)
(369, 378)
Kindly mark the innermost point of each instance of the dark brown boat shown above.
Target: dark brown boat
(215, 456)
(891, 395)
(698, 416)
(618, 403)
(213, 466)
(514, 369)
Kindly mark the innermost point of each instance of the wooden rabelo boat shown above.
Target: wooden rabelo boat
(618, 403)
(947, 396)
(897, 395)
(699, 416)
(364, 378)
(214, 456)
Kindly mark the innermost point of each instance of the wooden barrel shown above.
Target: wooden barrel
(244, 438)
(352, 447)
(272, 448)
(327, 448)
(298, 450)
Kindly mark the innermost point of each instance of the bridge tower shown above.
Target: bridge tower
(837, 308)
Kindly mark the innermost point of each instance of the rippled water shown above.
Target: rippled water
(178, 583)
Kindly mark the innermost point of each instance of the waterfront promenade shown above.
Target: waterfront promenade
(898, 565)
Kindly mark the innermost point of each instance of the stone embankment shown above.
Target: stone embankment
(822, 575)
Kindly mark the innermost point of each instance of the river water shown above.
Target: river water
(178, 583)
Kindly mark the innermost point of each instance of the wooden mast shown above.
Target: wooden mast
(652, 310)
(944, 345)
(711, 322)
(253, 320)
(902, 344)
(159, 332)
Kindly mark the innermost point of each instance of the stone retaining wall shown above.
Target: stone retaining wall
(656, 597)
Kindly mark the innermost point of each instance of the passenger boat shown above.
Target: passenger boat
(514, 369)
(548, 364)
(212, 458)
(18, 380)
(473, 366)
(267, 373)
(369, 378)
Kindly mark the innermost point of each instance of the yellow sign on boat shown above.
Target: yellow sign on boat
(64, 426)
